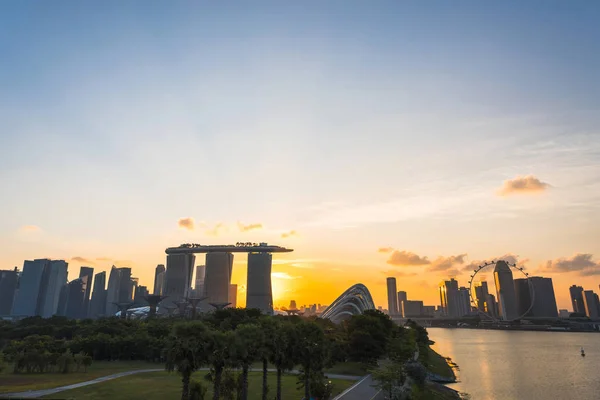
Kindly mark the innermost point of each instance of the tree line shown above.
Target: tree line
(225, 341)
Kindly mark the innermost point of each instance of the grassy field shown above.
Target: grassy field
(162, 385)
(439, 365)
(349, 368)
(10, 382)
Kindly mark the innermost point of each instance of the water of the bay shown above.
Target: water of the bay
(498, 365)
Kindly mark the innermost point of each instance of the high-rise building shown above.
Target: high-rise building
(259, 293)
(98, 301)
(401, 297)
(523, 297)
(219, 266)
(120, 289)
(576, 293)
(73, 296)
(89, 273)
(412, 308)
(233, 295)
(491, 306)
(159, 276)
(428, 311)
(589, 302)
(178, 279)
(392, 292)
(449, 299)
(293, 305)
(505, 290)
(26, 300)
(464, 302)
(481, 293)
(53, 279)
(9, 279)
(139, 298)
(544, 304)
(199, 280)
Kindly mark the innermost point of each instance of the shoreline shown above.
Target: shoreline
(440, 372)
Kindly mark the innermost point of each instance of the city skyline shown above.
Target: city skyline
(393, 140)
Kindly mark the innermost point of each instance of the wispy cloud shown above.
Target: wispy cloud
(447, 264)
(395, 272)
(103, 259)
(582, 263)
(528, 184)
(510, 258)
(249, 227)
(385, 249)
(289, 234)
(187, 223)
(406, 258)
(30, 228)
(283, 275)
(82, 260)
(216, 230)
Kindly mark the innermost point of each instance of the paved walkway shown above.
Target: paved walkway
(361, 390)
(46, 392)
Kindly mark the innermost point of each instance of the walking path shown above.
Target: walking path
(361, 390)
(46, 392)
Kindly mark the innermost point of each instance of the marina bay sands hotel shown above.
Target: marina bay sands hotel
(219, 266)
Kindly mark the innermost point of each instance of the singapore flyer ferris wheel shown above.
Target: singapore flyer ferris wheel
(505, 296)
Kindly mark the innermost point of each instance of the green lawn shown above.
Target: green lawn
(349, 368)
(10, 382)
(439, 365)
(162, 385)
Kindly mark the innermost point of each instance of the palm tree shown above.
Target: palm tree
(281, 348)
(269, 327)
(185, 352)
(311, 352)
(249, 340)
(218, 346)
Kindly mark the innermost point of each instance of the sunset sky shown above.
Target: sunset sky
(376, 139)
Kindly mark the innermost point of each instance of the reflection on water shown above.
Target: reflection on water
(497, 365)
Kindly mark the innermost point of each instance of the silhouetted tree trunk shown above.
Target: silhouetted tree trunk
(279, 373)
(245, 382)
(217, 383)
(307, 384)
(185, 389)
(264, 382)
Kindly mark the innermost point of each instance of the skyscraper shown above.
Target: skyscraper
(392, 292)
(89, 273)
(589, 302)
(219, 266)
(577, 299)
(449, 299)
(26, 301)
(9, 280)
(119, 290)
(159, 274)
(544, 303)
(233, 295)
(75, 297)
(178, 279)
(401, 297)
(139, 298)
(481, 293)
(98, 301)
(523, 296)
(464, 302)
(505, 289)
(53, 279)
(259, 294)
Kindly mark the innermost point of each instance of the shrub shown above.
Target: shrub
(197, 391)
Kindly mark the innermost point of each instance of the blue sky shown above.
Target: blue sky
(371, 123)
